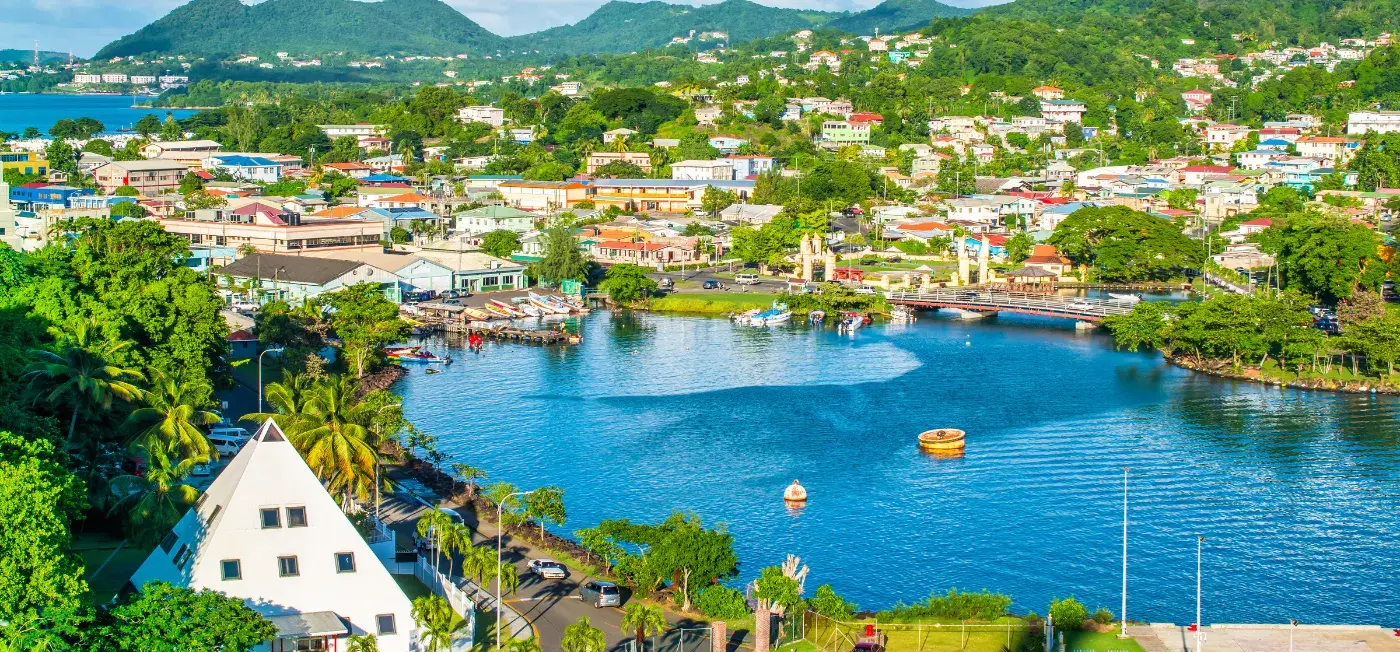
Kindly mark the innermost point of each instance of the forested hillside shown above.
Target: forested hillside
(222, 27)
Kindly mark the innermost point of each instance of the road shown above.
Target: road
(552, 605)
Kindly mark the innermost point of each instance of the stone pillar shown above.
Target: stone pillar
(762, 621)
(964, 274)
(719, 636)
(983, 256)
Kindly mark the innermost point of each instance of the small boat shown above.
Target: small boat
(1130, 298)
(942, 439)
(816, 317)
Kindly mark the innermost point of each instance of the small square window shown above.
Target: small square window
(271, 518)
(344, 562)
(232, 569)
(296, 517)
(287, 567)
(386, 624)
(169, 542)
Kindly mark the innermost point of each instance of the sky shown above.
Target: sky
(84, 26)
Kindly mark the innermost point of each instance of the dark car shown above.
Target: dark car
(711, 284)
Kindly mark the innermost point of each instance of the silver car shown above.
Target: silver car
(601, 594)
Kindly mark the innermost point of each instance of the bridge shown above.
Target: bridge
(977, 299)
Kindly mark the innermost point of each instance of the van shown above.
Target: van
(746, 279)
(600, 594)
(226, 445)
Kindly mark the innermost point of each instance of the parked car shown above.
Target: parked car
(746, 279)
(548, 569)
(601, 594)
(710, 284)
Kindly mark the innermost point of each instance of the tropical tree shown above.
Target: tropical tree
(81, 374)
(440, 623)
(157, 498)
(643, 618)
(455, 538)
(362, 643)
(582, 636)
(434, 523)
(469, 475)
(172, 418)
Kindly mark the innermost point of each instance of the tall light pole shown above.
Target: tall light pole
(500, 527)
(1123, 612)
(1200, 635)
(275, 349)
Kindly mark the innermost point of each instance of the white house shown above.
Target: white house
(246, 168)
(695, 170)
(486, 114)
(268, 533)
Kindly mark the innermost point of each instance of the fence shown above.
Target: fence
(838, 636)
(460, 601)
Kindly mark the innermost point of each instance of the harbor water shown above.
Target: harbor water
(1296, 493)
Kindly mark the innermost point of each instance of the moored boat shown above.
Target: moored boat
(942, 439)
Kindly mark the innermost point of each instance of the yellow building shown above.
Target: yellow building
(26, 163)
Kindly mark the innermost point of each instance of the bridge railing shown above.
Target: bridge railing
(975, 298)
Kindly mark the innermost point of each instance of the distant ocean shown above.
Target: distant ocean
(18, 112)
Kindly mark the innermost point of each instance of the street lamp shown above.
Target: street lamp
(500, 527)
(275, 349)
(1123, 612)
(1200, 635)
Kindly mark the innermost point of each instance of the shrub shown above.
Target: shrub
(827, 603)
(1068, 614)
(721, 602)
(1102, 616)
(982, 605)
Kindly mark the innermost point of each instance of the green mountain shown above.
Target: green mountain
(896, 16)
(27, 56)
(627, 26)
(223, 27)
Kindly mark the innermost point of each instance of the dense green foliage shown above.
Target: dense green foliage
(982, 605)
(1117, 243)
(226, 27)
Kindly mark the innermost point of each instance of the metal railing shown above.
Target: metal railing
(981, 299)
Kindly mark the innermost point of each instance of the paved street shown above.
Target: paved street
(551, 605)
(1267, 638)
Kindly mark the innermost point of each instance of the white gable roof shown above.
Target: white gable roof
(226, 524)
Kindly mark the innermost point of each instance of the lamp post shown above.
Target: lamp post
(1200, 635)
(1123, 612)
(275, 349)
(500, 527)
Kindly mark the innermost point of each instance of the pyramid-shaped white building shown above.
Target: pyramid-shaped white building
(266, 531)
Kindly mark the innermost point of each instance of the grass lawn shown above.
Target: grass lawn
(713, 302)
(98, 549)
(1095, 642)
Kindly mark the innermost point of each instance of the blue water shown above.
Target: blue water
(1297, 493)
(41, 111)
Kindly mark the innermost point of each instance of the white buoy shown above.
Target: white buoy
(795, 493)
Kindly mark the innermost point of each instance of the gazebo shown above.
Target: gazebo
(1031, 279)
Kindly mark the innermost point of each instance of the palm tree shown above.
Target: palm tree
(582, 636)
(510, 578)
(455, 538)
(330, 435)
(362, 643)
(82, 374)
(434, 523)
(646, 619)
(439, 621)
(468, 475)
(158, 498)
(171, 419)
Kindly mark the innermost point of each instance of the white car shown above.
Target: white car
(548, 569)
